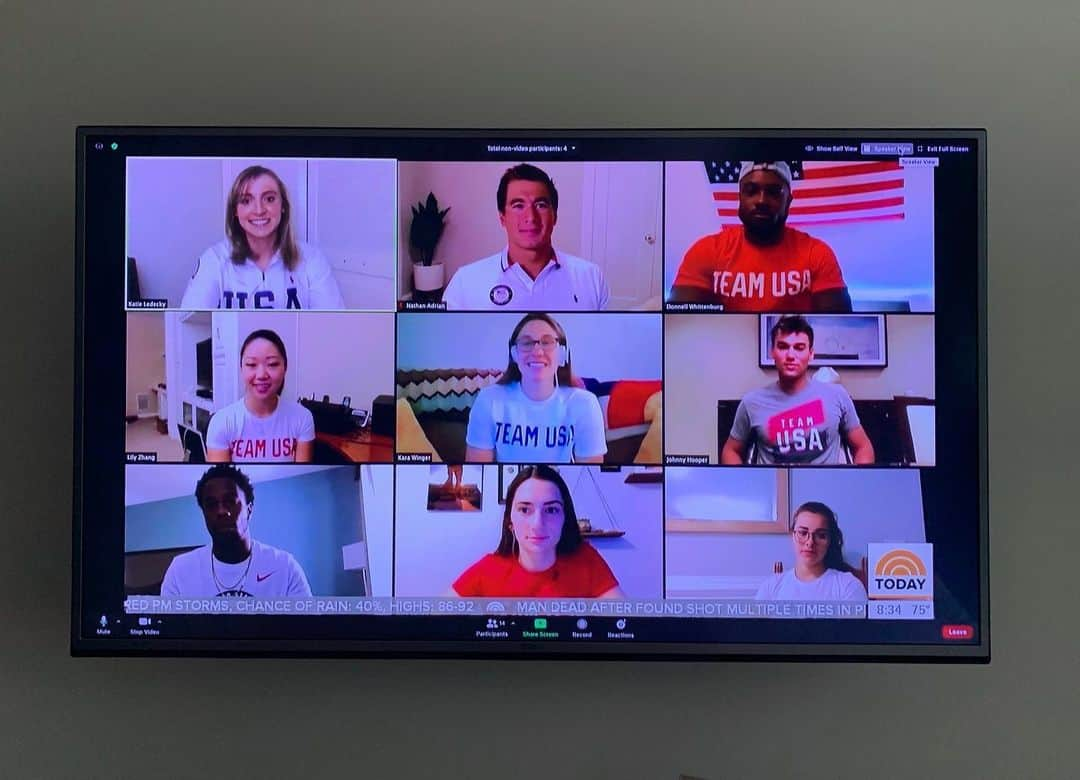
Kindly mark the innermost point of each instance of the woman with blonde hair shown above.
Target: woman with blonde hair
(260, 265)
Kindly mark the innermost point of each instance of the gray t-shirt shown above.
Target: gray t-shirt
(803, 429)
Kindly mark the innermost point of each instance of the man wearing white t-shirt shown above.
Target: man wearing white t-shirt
(233, 564)
(529, 274)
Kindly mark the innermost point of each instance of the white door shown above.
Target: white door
(352, 218)
(621, 210)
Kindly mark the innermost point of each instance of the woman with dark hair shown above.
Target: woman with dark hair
(260, 265)
(262, 427)
(534, 413)
(541, 553)
(819, 573)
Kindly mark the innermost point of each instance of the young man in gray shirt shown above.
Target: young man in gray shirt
(796, 421)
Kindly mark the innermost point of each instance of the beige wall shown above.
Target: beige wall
(725, 366)
(145, 357)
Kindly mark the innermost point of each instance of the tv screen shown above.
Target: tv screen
(571, 394)
(204, 364)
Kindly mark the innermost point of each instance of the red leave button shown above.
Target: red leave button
(962, 631)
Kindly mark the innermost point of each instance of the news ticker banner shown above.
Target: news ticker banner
(424, 607)
(900, 581)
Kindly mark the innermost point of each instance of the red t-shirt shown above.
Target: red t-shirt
(748, 277)
(580, 574)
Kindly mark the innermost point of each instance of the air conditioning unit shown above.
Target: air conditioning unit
(145, 404)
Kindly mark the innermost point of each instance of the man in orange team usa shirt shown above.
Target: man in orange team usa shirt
(764, 265)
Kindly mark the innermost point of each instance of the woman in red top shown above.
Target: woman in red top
(541, 553)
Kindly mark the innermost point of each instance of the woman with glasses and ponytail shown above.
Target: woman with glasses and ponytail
(535, 413)
(819, 573)
(541, 553)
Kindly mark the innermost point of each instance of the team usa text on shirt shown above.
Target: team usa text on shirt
(261, 299)
(258, 449)
(751, 284)
(797, 430)
(529, 435)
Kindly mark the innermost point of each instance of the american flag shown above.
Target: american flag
(825, 193)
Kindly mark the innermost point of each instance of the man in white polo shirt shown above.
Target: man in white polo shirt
(529, 274)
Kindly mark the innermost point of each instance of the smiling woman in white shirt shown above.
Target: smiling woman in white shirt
(261, 426)
(820, 572)
(260, 265)
(535, 413)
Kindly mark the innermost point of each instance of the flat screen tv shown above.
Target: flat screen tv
(665, 394)
(204, 364)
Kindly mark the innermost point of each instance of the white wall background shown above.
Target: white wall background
(330, 353)
(346, 208)
(879, 260)
(871, 505)
(607, 212)
(434, 548)
(604, 346)
(709, 358)
(378, 499)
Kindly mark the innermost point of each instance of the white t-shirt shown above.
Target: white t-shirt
(833, 585)
(566, 283)
(273, 572)
(271, 439)
(219, 283)
(569, 424)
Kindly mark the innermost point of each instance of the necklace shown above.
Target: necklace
(222, 589)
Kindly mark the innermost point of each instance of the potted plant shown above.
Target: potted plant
(428, 223)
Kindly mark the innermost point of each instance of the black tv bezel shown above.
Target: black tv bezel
(84, 646)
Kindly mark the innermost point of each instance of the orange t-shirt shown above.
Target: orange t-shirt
(580, 574)
(747, 277)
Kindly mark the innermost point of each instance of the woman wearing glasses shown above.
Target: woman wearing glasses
(534, 413)
(819, 573)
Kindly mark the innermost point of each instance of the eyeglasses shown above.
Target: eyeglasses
(821, 536)
(526, 344)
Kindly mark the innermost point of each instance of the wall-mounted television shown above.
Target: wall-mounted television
(663, 394)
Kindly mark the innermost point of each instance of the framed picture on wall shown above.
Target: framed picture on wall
(455, 488)
(850, 340)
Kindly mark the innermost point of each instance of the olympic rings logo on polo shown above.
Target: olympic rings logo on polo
(903, 571)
